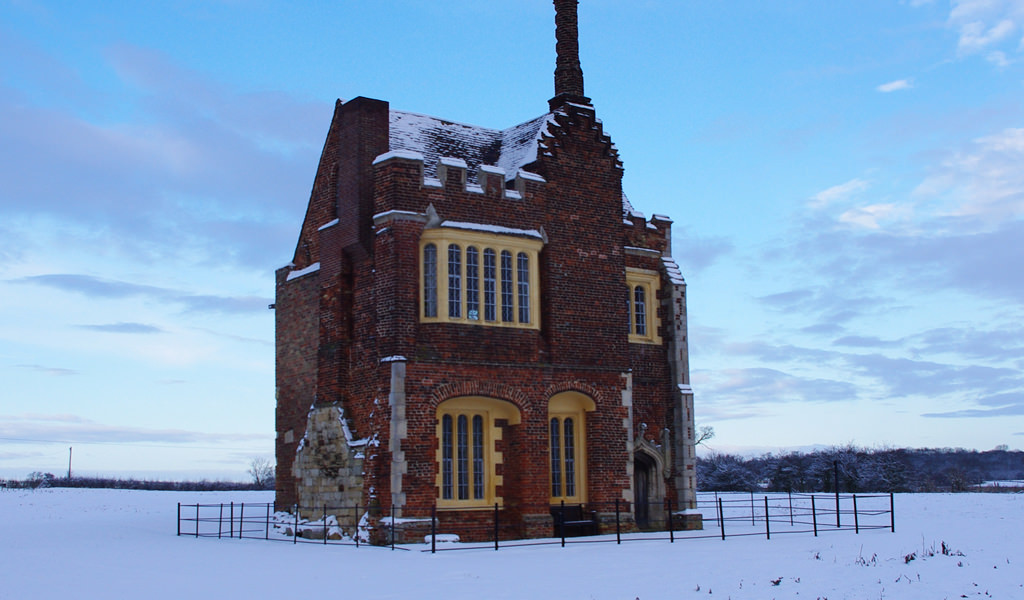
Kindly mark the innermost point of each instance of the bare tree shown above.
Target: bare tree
(262, 472)
(704, 434)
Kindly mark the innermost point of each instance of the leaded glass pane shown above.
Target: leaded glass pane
(472, 284)
(478, 457)
(430, 280)
(570, 458)
(556, 461)
(506, 287)
(454, 281)
(489, 285)
(639, 311)
(524, 287)
(462, 457)
(446, 457)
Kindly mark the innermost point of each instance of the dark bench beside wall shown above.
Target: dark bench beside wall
(572, 520)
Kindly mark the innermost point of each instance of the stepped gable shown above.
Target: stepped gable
(511, 149)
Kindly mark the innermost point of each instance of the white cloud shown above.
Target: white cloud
(998, 58)
(975, 36)
(869, 216)
(983, 24)
(838, 193)
(892, 86)
(984, 181)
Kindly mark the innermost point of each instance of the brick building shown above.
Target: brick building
(477, 317)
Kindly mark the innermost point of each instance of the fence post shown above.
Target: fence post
(220, 520)
(561, 522)
(266, 533)
(197, 519)
(295, 529)
(392, 526)
(495, 525)
(790, 508)
(814, 516)
(856, 521)
(671, 528)
(325, 524)
(892, 513)
(721, 518)
(835, 467)
(231, 521)
(767, 527)
(752, 523)
(179, 519)
(355, 528)
(618, 529)
(433, 528)
(241, 520)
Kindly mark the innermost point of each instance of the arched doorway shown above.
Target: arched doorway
(644, 488)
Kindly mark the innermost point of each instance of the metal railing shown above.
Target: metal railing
(724, 515)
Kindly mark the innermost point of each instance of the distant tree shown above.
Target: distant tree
(40, 480)
(725, 473)
(262, 472)
(704, 434)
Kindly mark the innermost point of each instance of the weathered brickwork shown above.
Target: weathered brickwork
(353, 350)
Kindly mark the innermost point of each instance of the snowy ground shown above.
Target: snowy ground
(62, 543)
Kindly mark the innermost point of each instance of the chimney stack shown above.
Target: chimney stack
(568, 73)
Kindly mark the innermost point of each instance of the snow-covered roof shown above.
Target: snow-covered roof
(509, 149)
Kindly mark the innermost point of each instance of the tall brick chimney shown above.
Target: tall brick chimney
(568, 73)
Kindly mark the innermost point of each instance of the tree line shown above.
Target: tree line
(862, 470)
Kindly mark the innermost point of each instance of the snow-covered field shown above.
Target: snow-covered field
(64, 543)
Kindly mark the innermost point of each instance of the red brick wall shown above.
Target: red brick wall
(364, 306)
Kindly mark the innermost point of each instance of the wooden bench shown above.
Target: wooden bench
(571, 520)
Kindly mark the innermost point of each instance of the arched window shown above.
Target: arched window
(467, 462)
(639, 311)
(567, 437)
(490, 280)
(501, 288)
(454, 281)
(523, 282)
(506, 287)
(642, 305)
(430, 280)
(472, 284)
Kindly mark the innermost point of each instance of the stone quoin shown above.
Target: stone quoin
(477, 317)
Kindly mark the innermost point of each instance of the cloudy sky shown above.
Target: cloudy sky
(845, 180)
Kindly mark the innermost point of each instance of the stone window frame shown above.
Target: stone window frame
(490, 410)
(438, 294)
(561, 408)
(650, 283)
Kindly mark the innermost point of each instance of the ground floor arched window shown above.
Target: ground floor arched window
(567, 447)
(467, 432)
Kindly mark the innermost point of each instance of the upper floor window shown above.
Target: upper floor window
(642, 292)
(430, 281)
(492, 279)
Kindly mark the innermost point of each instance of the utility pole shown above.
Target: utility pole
(69, 463)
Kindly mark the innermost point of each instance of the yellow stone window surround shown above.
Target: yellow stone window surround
(648, 283)
(450, 451)
(567, 446)
(515, 299)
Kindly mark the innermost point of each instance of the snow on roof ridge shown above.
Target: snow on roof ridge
(492, 228)
(436, 139)
(675, 275)
(407, 154)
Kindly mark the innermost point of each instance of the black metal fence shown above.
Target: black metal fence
(723, 514)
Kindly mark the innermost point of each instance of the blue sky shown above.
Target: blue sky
(845, 180)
